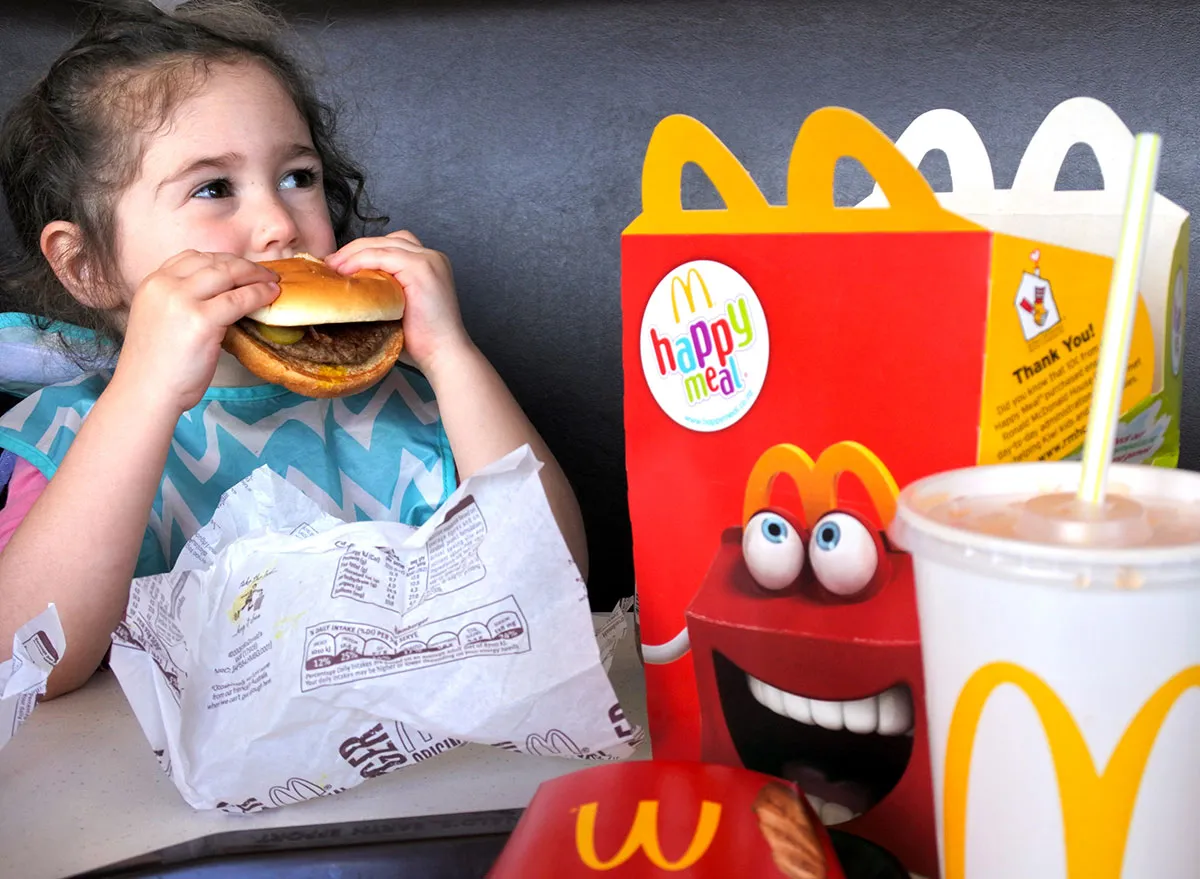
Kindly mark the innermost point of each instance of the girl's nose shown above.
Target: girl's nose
(275, 229)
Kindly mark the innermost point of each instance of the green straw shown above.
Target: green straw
(1118, 320)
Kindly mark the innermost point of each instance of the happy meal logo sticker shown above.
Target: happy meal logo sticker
(1035, 303)
(704, 345)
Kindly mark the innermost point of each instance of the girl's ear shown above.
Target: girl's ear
(62, 245)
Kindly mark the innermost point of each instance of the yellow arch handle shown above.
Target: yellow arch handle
(833, 133)
(827, 135)
(679, 140)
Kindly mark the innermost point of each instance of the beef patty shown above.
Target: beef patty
(333, 344)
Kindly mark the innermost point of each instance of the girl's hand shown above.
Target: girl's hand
(482, 419)
(178, 320)
(432, 322)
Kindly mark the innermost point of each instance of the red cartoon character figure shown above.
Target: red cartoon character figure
(807, 652)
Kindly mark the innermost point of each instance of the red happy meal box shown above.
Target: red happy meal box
(656, 818)
(787, 370)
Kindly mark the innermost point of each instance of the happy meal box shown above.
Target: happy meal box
(1084, 219)
(787, 370)
(654, 818)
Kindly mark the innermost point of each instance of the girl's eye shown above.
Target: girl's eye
(301, 178)
(220, 188)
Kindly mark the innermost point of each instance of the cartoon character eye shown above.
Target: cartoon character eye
(844, 555)
(774, 551)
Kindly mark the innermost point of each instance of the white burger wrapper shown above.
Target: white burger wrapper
(290, 655)
(37, 648)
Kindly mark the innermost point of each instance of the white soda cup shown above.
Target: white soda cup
(1062, 680)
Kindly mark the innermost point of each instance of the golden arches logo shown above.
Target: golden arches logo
(817, 482)
(644, 835)
(1096, 807)
(684, 286)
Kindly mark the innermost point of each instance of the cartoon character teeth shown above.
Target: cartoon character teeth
(807, 651)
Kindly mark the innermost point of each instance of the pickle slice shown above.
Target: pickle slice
(280, 335)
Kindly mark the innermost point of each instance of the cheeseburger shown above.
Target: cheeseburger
(326, 334)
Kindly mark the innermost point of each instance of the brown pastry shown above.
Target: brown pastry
(785, 825)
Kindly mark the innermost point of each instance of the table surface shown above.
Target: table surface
(80, 788)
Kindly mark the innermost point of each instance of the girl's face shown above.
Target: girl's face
(233, 171)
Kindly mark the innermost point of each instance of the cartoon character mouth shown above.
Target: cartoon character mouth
(846, 756)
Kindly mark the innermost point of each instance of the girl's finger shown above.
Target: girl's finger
(405, 235)
(337, 259)
(230, 306)
(184, 256)
(188, 262)
(392, 259)
(225, 273)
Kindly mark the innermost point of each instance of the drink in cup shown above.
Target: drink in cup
(1061, 645)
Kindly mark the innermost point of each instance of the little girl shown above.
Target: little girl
(157, 163)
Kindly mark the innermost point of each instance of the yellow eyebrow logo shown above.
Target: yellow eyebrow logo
(817, 482)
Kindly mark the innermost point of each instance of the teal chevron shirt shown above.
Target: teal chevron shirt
(380, 455)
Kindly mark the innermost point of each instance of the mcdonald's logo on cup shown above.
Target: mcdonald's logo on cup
(704, 345)
(1097, 807)
(643, 836)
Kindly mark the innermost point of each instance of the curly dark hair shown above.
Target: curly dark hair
(70, 145)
